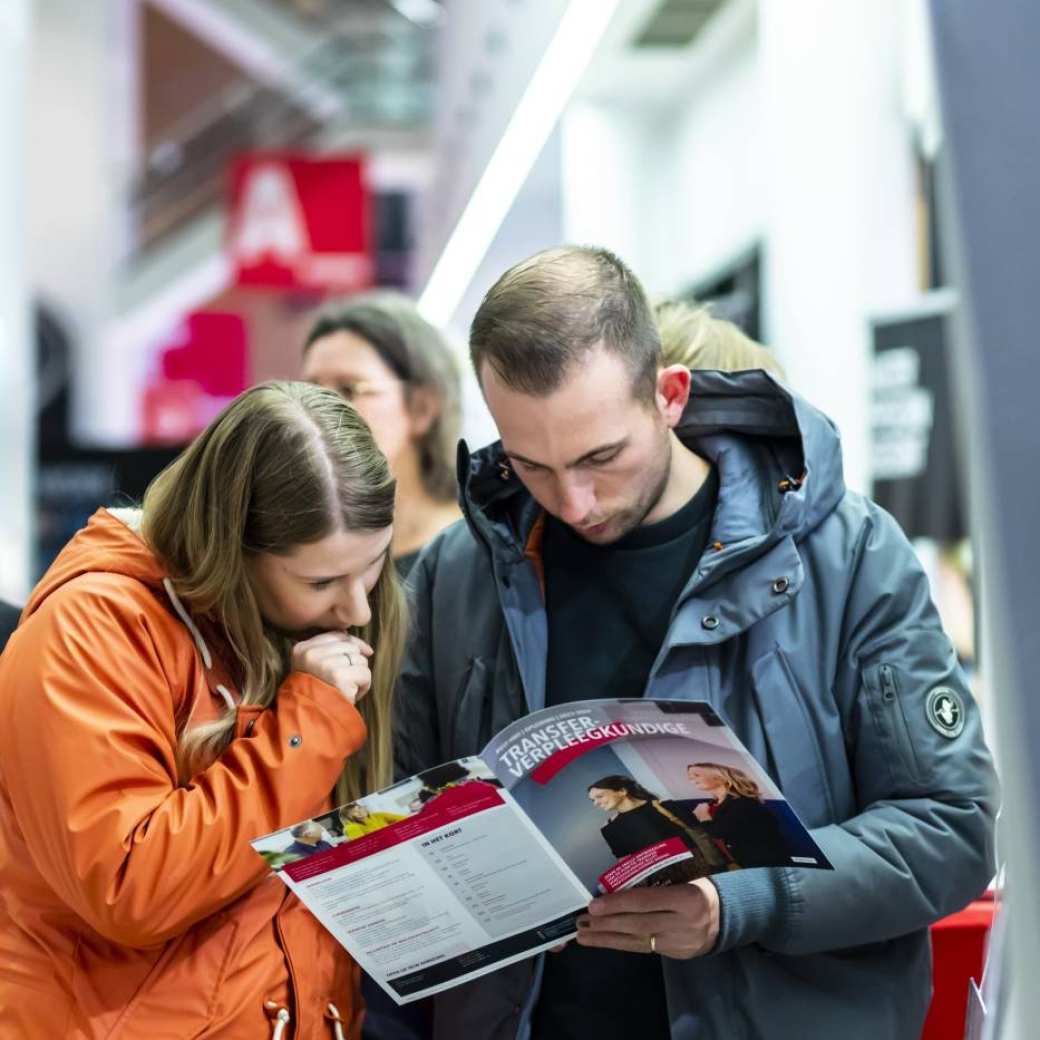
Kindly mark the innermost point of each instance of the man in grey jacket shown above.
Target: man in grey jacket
(641, 530)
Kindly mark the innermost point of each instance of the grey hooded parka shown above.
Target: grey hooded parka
(809, 627)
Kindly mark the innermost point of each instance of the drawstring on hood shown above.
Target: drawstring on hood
(200, 643)
(207, 658)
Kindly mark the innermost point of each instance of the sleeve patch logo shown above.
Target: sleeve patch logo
(945, 712)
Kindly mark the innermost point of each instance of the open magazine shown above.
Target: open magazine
(480, 862)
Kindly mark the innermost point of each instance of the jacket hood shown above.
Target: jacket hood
(778, 457)
(108, 544)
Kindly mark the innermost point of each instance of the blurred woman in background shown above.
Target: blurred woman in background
(399, 372)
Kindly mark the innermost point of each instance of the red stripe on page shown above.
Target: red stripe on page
(631, 866)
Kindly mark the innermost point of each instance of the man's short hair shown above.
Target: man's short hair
(547, 312)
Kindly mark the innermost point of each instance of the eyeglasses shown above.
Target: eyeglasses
(352, 392)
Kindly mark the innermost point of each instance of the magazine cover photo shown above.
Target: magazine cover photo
(648, 793)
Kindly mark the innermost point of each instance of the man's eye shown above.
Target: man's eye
(602, 460)
(527, 467)
(347, 391)
(321, 584)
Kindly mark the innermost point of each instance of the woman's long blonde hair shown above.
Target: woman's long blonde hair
(736, 780)
(284, 465)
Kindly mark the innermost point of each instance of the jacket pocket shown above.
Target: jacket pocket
(881, 682)
(471, 718)
(182, 991)
(794, 746)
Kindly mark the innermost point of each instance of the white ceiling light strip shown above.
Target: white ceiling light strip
(578, 35)
(421, 12)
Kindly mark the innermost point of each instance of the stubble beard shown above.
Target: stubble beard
(646, 504)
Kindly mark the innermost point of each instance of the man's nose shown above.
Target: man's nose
(576, 501)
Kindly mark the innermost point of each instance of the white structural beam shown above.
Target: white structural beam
(988, 85)
(838, 220)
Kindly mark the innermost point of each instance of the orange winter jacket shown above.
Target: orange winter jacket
(130, 906)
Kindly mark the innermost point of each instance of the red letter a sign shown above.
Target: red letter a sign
(299, 223)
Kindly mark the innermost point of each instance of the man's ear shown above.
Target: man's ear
(673, 392)
(423, 409)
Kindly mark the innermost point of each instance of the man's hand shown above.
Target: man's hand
(683, 919)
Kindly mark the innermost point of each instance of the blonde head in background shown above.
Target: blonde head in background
(692, 336)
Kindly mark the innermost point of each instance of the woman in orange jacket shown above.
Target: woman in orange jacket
(186, 677)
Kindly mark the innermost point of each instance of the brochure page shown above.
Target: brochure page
(480, 862)
(432, 882)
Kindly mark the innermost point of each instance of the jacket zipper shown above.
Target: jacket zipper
(888, 686)
(897, 719)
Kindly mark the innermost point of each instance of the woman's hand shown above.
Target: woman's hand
(702, 812)
(339, 659)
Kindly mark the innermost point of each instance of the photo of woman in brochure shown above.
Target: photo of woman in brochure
(640, 819)
(737, 816)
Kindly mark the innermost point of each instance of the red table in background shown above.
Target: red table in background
(958, 947)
